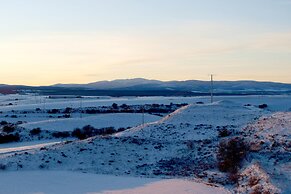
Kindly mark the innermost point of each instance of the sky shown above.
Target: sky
(44, 42)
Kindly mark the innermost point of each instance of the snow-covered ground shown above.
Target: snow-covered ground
(27, 104)
(30, 102)
(181, 144)
(270, 145)
(197, 122)
(117, 120)
(63, 182)
(24, 146)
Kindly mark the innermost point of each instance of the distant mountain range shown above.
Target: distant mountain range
(140, 86)
(189, 85)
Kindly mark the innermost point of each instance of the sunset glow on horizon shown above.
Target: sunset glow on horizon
(48, 42)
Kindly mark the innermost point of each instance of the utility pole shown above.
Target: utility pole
(81, 107)
(211, 90)
(143, 115)
(44, 107)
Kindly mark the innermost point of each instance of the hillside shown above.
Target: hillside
(145, 87)
(196, 122)
(270, 154)
(188, 85)
(183, 144)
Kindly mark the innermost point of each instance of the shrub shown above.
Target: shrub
(8, 128)
(253, 181)
(35, 131)
(78, 133)
(223, 132)
(89, 131)
(66, 115)
(230, 154)
(68, 110)
(3, 123)
(121, 129)
(19, 123)
(108, 131)
(61, 134)
(263, 106)
(92, 111)
(114, 106)
(9, 138)
(53, 111)
(124, 106)
(190, 144)
(2, 167)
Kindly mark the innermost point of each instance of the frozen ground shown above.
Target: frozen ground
(182, 144)
(270, 157)
(63, 182)
(117, 120)
(29, 102)
(197, 122)
(24, 146)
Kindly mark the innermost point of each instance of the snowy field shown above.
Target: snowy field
(143, 150)
(24, 146)
(29, 102)
(62, 182)
(117, 120)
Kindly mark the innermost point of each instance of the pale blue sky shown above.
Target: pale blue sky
(51, 41)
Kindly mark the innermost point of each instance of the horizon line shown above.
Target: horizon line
(218, 80)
